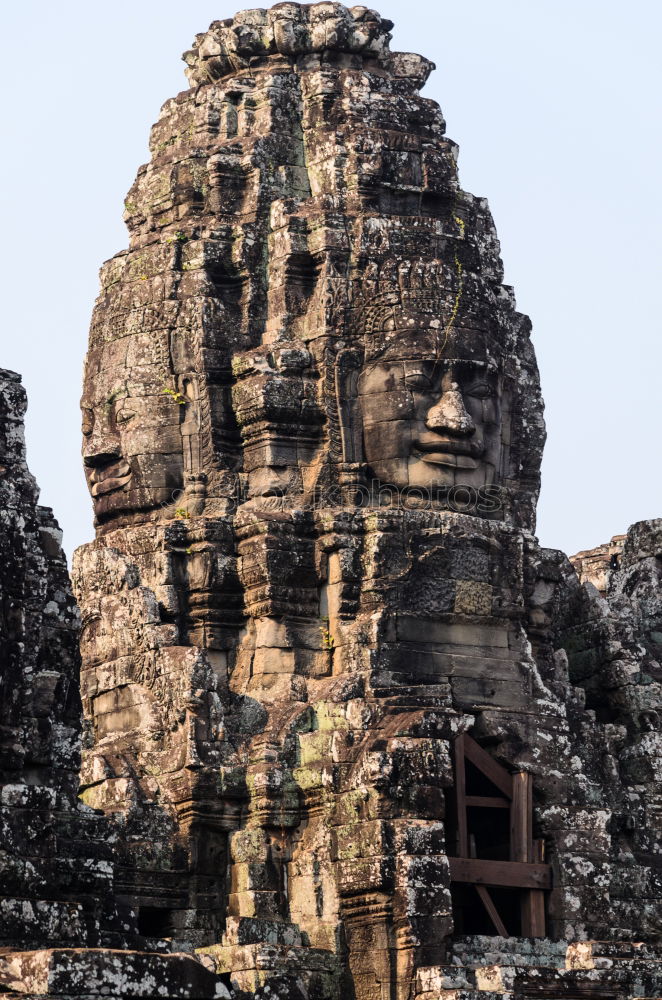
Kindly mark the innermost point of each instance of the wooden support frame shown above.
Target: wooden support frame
(460, 797)
(525, 868)
(487, 802)
(521, 834)
(492, 911)
(507, 874)
(482, 760)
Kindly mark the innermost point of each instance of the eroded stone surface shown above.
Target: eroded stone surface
(313, 431)
(310, 303)
(595, 565)
(313, 436)
(60, 902)
(56, 870)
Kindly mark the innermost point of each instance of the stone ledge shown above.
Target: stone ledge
(75, 972)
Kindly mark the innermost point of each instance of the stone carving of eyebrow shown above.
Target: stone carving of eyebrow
(429, 370)
(488, 367)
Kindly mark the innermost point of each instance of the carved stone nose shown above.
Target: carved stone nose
(450, 414)
(97, 453)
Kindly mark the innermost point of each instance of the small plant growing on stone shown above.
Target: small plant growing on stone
(182, 514)
(177, 396)
(115, 395)
(327, 639)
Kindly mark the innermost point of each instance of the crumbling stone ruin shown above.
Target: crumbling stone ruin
(347, 729)
(595, 565)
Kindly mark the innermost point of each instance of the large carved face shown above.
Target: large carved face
(433, 423)
(132, 448)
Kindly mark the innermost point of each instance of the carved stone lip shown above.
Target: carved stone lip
(113, 477)
(454, 461)
(446, 446)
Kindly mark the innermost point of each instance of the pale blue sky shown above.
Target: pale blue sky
(555, 105)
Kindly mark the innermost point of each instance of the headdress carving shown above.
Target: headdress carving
(422, 311)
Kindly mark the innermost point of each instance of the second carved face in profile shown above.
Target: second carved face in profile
(132, 447)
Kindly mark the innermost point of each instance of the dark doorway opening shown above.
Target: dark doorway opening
(154, 922)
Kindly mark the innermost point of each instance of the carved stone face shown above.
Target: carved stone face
(290, 32)
(132, 447)
(432, 424)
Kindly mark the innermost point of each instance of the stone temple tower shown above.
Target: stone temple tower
(354, 731)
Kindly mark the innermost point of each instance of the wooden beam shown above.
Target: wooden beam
(460, 796)
(492, 911)
(533, 913)
(511, 874)
(533, 908)
(487, 802)
(521, 842)
(489, 767)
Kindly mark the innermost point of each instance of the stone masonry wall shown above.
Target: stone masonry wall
(349, 729)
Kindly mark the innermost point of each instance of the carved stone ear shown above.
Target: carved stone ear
(348, 367)
(188, 389)
(352, 470)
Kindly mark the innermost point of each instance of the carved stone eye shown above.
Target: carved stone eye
(418, 382)
(124, 415)
(87, 424)
(481, 390)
